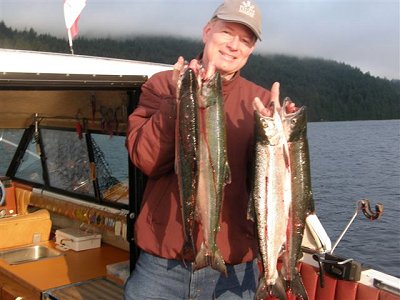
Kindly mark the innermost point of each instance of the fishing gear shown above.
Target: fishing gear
(36, 134)
(346, 269)
(366, 209)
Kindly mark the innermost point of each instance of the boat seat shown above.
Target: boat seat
(23, 197)
(335, 289)
(23, 230)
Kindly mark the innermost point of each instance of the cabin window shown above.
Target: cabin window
(67, 161)
(111, 159)
(91, 165)
(9, 140)
(30, 167)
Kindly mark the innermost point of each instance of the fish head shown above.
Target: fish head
(211, 89)
(294, 123)
(266, 129)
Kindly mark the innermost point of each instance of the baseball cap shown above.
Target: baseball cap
(245, 12)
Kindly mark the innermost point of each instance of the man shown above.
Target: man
(161, 273)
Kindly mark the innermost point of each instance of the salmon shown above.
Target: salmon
(186, 156)
(271, 197)
(214, 172)
(295, 127)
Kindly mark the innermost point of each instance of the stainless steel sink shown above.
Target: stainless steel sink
(28, 254)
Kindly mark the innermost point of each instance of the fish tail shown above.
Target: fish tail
(205, 258)
(202, 259)
(261, 292)
(276, 290)
(218, 263)
(188, 249)
(296, 287)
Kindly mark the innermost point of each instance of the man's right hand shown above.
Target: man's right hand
(179, 69)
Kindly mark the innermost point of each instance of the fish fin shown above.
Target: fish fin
(311, 204)
(251, 213)
(218, 263)
(204, 258)
(296, 287)
(188, 249)
(276, 290)
(261, 292)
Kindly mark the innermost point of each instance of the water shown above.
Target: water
(352, 161)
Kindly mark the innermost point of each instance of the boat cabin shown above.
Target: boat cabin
(64, 167)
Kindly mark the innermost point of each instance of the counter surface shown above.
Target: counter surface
(72, 267)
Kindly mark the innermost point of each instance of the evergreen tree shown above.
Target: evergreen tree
(331, 91)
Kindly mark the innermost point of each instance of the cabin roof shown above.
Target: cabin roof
(23, 61)
(43, 70)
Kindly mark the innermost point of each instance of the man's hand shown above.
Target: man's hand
(268, 111)
(179, 69)
(290, 107)
(202, 72)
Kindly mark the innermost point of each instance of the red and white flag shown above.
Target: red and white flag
(72, 12)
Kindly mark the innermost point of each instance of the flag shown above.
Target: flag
(72, 12)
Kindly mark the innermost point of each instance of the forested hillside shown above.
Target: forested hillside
(332, 91)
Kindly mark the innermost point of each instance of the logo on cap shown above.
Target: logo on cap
(247, 8)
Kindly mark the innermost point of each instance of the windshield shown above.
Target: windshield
(9, 140)
(89, 165)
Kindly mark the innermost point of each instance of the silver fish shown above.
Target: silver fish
(214, 172)
(271, 196)
(295, 127)
(187, 155)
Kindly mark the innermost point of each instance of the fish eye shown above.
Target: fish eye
(263, 122)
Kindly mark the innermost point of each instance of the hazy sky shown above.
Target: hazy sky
(362, 33)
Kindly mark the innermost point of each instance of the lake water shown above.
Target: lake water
(352, 161)
(359, 160)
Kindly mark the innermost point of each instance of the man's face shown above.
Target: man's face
(228, 45)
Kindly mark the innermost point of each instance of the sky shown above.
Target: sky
(362, 33)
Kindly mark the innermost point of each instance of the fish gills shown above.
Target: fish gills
(271, 196)
(186, 157)
(295, 126)
(214, 172)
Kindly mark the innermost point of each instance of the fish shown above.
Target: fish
(214, 172)
(271, 197)
(295, 128)
(187, 155)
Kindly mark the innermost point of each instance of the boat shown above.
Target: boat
(66, 184)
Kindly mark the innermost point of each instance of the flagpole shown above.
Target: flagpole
(72, 11)
(70, 41)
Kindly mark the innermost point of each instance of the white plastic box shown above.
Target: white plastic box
(119, 270)
(77, 240)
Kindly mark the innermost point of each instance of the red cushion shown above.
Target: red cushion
(337, 289)
(346, 290)
(367, 293)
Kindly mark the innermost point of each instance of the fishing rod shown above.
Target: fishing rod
(365, 207)
(348, 269)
